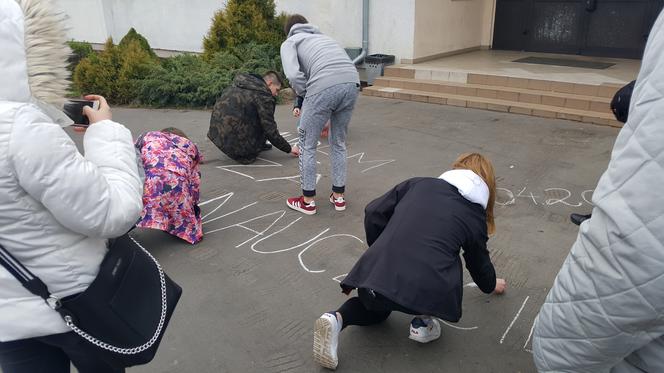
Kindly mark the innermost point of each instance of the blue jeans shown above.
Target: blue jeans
(336, 104)
(52, 354)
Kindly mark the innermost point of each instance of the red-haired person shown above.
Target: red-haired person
(415, 233)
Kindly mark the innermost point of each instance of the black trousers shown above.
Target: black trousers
(369, 308)
(51, 354)
(248, 156)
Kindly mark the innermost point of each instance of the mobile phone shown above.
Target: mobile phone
(74, 110)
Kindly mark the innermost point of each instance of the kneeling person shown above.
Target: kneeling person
(415, 233)
(243, 118)
(172, 184)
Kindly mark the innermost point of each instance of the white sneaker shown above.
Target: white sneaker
(326, 340)
(339, 202)
(424, 329)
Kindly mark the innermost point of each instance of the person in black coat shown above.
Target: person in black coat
(415, 233)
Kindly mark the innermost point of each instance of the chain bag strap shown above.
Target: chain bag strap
(133, 350)
(37, 287)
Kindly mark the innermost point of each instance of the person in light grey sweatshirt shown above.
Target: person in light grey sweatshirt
(319, 70)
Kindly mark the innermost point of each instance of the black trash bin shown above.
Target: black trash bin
(386, 59)
(375, 65)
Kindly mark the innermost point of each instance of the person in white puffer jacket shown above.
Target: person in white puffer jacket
(605, 311)
(57, 206)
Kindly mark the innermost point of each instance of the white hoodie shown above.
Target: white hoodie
(57, 207)
(471, 186)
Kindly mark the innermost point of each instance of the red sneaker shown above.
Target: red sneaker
(298, 204)
(339, 202)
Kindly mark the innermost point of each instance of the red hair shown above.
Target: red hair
(484, 169)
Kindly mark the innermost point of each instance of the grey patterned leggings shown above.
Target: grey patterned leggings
(336, 104)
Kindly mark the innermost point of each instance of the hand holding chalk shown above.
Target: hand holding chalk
(501, 285)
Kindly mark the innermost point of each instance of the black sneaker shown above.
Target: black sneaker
(579, 218)
(266, 146)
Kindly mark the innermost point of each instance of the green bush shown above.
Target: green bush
(97, 73)
(79, 50)
(112, 72)
(130, 73)
(193, 81)
(135, 64)
(242, 22)
(132, 35)
(177, 82)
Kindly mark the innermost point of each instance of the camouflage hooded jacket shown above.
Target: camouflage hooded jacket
(243, 118)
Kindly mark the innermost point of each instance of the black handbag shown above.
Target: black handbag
(125, 310)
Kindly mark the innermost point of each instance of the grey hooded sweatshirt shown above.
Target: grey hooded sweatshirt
(313, 62)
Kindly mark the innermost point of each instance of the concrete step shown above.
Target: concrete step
(495, 104)
(527, 95)
(606, 90)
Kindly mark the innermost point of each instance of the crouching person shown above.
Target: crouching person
(172, 184)
(243, 118)
(415, 233)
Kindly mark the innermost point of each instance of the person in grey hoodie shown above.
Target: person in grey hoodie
(319, 70)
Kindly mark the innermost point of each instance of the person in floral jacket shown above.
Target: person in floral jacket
(172, 184)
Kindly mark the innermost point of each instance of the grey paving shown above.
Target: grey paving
(254, 286)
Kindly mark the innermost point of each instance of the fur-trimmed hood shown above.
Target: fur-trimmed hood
(34, 55)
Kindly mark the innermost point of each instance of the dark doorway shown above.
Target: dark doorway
(608, 28)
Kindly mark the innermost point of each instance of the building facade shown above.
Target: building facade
(412, 30)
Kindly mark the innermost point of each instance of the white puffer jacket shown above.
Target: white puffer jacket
(57, 206)
(605, 312)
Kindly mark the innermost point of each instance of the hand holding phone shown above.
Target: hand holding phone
(103, 112)
(92, 109)
(74, 110)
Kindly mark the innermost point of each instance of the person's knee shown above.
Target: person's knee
(338, 145)
(381, 315)
(245, 160)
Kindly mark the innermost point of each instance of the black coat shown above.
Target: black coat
(243, 118)
(415, 233)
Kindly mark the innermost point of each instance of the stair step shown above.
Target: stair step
(495, 104)
(605, 90)
(535, 96)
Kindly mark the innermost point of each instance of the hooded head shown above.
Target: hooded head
(473, 175)
(294, 19)
(297, 24)
(34, 53)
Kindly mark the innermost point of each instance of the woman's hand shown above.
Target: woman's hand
(501, 285)
(326, 130)
(102, 113)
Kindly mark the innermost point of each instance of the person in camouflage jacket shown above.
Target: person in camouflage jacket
(243, 118)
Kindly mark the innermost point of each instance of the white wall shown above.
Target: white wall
(488, 22)
(391, 22)
(443, 26)
(167, 24)
(182, 24)
(85, 20)
(341, 19)
(392, 27)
